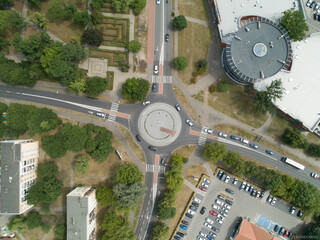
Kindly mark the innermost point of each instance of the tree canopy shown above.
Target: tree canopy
(40, 19)
(95, 86)
(5, 4)
(134, 46)
(92, 37)
(214, 152)
(160, 231)
(17, 223)
(295, 23)
(128, 173)
(180, 62)
(105, 196)
(74, 137)
(60, 231)
(54, 146)
(179, 22)
(121, 5)
(129, 195)
(294, 138)
(33, 220)
(135, 89)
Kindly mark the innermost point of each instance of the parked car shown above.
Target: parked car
(273, 202)
(227, 179)
(197, 200)
(183, 226)
(225, 210)
(191, 212)
(253, 146)
(281, 231)
(219, 174)
(189, 122)
(152, 148)
(193, 208)
(189, 215)
(227, 206)
(300, 213)
(177, 107)
(229, 191)
(215, 229)
(166, 37)
(315, 16)
(221, 197)
(206, 180)
(309, 3)
(208, 130)
(258, 194)
(212, 234)
(243, 186)
(209, 238)
(286, 233)
(146, 102)
(292, 210)
(235, 181)
(247, 187)
(219, 220)
(185, 222)
(203, 209)
(215, 207)
(245, 141)
(180, 234)
(313, 4)
(276, 228)
(202, 188)
(162, 161)
(207, 225)
(223, 177)
(176, 237)
(262, 195)
(234, 137)
(290, 235)
(254, 192)
(158, 2)
(195, 204)
(269, 152)
(213, 213)
(200, 238)
(218, 202)
(229, 202)
(221, 134)
(269, 199)
(204, 185)
(202, 234)
(209, 220)
(138, 137)
(250, 189)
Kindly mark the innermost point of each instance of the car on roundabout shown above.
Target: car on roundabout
(146, 102)
(177, 107)
(188, 121)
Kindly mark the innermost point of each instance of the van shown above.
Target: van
(156, 69)
(245, 141)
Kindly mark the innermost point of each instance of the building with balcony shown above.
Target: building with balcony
(81, 214)
(19, 161)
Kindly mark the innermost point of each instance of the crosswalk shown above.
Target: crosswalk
(113, 111)
(155, 168)
(163, 79)
(202, 138)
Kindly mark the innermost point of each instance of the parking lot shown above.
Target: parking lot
(256, 210)
(314, 25)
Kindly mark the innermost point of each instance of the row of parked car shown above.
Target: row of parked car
(282, 231)
(314, 5)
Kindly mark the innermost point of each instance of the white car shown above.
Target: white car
(221, 134)
(235, 181)
(204, 185)
(197, 200)
(188, 121)
(207, 130)
(218, 201)
(225, 210)
(146, 102)
(219, 220)
(215, 207)
(158, 2)
(227, 179)
(99, 114)
(209, 220)
(191, 212)
(207, 225)
(202, 234)
(274, 200)
(317, 6)
(200, 238)
(156, 68)
(206, 180)
(309, 3)
(227, 206)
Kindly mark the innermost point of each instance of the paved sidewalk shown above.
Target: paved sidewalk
(194, 20)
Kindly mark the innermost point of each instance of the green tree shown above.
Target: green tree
(18, 116)
(168, 199)
(115, 227)
(54, 146)
(4, 44)
(134, 46)
(60, 231)
(179, 22)
(176, 163)
(105, 196)
(45, 227)
(78, 85)
(121, 5)
(47, 188)
(138, 5)
(81, 18)
(223, 87)
(33, 220)
(74, 137)
(97, 4)
(96, 17)
(173, 180)
(6, 4)
(16, 21)
(272, 179)
(129, 195)
(263, 101)
(81, 165)
(135, 89)
(295, 23)
(314, 150)
(3, 107)
(95, 86)
(202, 64)
(312, 233)
(160, 231)
(234, 161)
(92, 37)
(43, 120)
(17, 223)
(294, 138)
(56, 10)
(35, 3)
(165, 213)
(214, 152)
(307, 195)
(70, 9)
(128, 173)
(180, 63)
(40, 19)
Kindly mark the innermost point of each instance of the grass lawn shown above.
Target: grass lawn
(134, 146)
(193, 43)
(194, 8)
(185, 151)
(64, 30)
(181, 200)
(196, 170)
(277, 127)
(237, 104)
(199, 96)
(186, 104)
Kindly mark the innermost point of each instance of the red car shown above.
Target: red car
(185, 222)
(286, 233)
(203, 188)
(213, 213)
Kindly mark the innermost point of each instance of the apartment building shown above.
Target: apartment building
(81, 214)
(19, 161)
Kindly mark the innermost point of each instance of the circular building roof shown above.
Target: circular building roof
(258, 50)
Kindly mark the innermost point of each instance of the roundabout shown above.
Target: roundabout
(159, 124)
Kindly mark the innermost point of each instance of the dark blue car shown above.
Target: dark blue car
(154, 86)
(183, 226)
(234, 137)
(269, 152)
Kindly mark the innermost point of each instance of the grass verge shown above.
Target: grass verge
(193, 43)
(135, 148)
(199, 96)
(194, 8)
(194, 171)
(186, 150)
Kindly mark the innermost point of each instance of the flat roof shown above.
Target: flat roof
(257, 51)
(229, 11)
(301, 86)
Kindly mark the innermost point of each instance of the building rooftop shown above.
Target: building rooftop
(229, 12)
(301, 85)
(258, 50)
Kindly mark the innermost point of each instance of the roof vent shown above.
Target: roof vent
(259, 25)
(261, 74)
(247, 29)
(238, 38)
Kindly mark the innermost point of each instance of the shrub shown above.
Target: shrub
(92, 37)
(223, 87)
(212, 88)
(134, 46)
(180, 63)
(179, 22)
(81, 164)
